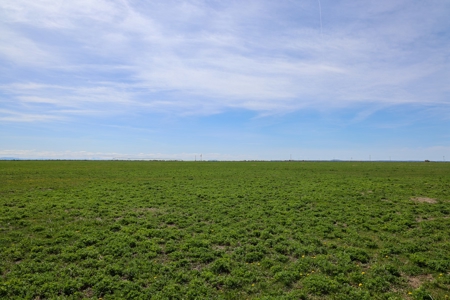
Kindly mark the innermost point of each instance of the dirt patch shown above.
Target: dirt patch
(420, 219)
(417, 281)
(367, 192)
(424, 200)
(219, 247)
(146, 209)
(88, 292)
(197, 267)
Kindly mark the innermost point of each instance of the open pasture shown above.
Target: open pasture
(224, 230)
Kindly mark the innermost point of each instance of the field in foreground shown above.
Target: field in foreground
(224, 230)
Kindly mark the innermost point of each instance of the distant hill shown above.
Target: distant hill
(9, 158)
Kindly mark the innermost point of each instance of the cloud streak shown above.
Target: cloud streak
(195, 57)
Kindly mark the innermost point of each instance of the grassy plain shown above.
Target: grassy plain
(224, 230)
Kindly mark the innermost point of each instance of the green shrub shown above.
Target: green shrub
(320, 285)
(253, 257)
(357, 254)
(221, 265)
(286, 277)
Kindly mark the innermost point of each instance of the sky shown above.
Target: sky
(227, 80)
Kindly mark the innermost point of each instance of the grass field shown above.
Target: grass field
(224, 230)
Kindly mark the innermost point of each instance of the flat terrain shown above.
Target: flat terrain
(224, 230)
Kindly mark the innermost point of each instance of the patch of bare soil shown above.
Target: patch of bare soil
(146, 209)
(197, 267)
(417, 281)
(152, 209)
(420, 219)
(88, 293)
(424, 200)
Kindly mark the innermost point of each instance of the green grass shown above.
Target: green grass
(224, 230)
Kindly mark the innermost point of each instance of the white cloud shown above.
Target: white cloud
(14, 116)
(21, 50)
(188, 57)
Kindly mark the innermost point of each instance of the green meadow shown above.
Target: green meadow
(224, 230)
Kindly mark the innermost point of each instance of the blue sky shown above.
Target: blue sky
(230, 80)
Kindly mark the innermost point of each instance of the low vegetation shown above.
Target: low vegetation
(224, 230)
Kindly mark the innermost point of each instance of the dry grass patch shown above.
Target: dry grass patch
(420, 219)
(424, 200)
(416, 281)
(88, 293)
(146, 209)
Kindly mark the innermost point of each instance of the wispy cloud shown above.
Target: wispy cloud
(198, 57)
(14, 116)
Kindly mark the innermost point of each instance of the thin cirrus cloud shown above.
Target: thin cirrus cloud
(65, 59)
